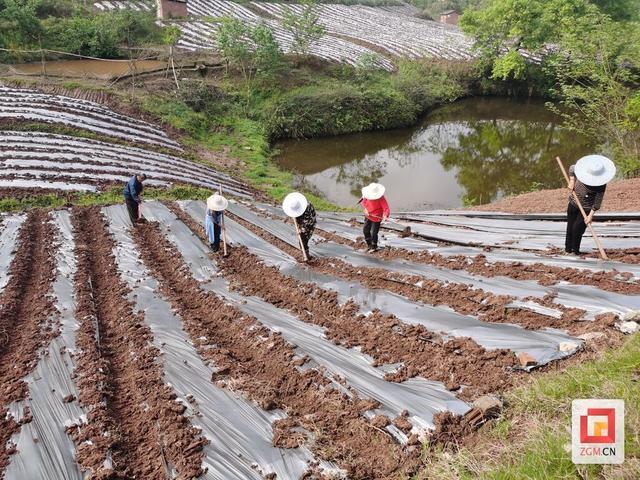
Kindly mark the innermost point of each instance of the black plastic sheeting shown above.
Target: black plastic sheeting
(420, 397)
(543, 345)
(44, 451)
(240, 432)
(591, 299)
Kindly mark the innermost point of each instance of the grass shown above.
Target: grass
(532, 440)
(107, 197)
(241, 138)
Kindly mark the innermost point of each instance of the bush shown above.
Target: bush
(100, 35)
(336, 109)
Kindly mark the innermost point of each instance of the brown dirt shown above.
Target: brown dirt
(134, 416)
(541, 273)
(27, 317)
(258, 362)
(462, 298)
(387, 339)
(621, 196)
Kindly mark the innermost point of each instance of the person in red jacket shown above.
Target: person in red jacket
(376, 209)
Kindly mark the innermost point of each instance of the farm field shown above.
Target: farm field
(41, 160)
(141, 354)
(353, 32)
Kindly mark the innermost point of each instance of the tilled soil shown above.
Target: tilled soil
(387, 339)
(621, 196)
(462, 298)
(136, 427)
(27, 317)
(255, 360)
(543, 274)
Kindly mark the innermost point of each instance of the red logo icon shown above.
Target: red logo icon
(598, 426)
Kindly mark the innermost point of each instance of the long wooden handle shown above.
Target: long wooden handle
(603, 254)
(304, 252)
(224, 230)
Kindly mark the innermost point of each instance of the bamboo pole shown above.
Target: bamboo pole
(224, 230)
(603, 254)
(304, 252)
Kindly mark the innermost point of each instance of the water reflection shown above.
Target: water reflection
(475, 151)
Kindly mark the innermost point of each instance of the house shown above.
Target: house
(172, 9)
(450, 17)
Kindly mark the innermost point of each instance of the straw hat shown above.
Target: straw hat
(595, 170)
(373, 191)
(294, 204)
(217, 203)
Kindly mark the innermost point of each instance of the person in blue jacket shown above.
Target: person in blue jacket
(132, 199)
(216, 205)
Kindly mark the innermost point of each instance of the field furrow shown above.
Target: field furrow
(262, 364)
(135, 426)
(26, 319)
(418, 351)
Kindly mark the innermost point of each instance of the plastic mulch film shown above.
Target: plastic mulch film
(557, 217)
(530, 240)
(239, 431)
(44, 451)
(528, 258)
(542, 345)
(422, 398)
(591, 299)
(10, 227)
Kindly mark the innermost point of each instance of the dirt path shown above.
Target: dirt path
(134, 422)
(253, 359)
(27, 316)
(621, 196)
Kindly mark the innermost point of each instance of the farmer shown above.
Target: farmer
(216, 205)
(588, 178)
(376, 209)
(296, 206)
(132, 199)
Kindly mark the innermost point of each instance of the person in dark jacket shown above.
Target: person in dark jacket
(296, 206)
(588, 178)
(376, 209)
(132, 191)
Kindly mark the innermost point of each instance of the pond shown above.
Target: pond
(471, 152)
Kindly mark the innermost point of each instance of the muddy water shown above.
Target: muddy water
(474, 151)
(100, 69)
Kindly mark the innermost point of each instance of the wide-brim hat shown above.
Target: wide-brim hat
(595, 170)
(373, 191)
(294, 204)
(217, 203)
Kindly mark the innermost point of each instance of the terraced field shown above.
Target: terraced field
(38, 160)
(136, 353)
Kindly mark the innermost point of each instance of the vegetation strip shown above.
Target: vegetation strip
(257, 361)
(136, 428)
(388, 340)
(26, 318)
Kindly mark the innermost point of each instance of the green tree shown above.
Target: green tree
(598, 82)
(252, 49)
(19, 26)
(505, 28)
(304, 26)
